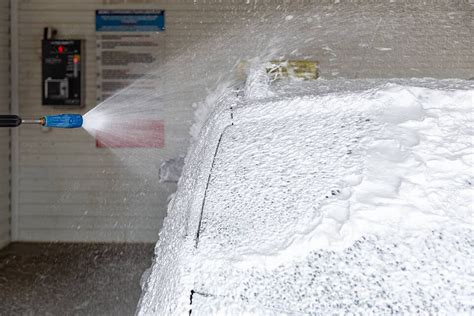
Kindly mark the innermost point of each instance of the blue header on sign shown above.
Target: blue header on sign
(129, 20)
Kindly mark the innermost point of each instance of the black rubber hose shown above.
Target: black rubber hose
(10, 121)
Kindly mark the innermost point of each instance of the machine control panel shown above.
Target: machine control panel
(62, 72)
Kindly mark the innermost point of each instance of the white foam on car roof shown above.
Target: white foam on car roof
(299, 179)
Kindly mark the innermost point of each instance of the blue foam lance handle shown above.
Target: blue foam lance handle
(63, 121)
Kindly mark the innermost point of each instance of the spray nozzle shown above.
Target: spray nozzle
(55, 121)
(63, 121)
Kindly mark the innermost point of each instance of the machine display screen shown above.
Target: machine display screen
(62, 72)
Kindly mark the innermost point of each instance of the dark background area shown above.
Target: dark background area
(72, 278)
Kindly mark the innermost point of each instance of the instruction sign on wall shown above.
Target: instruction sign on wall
(129, 46)
(129, 20)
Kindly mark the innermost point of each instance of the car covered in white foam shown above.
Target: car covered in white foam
(323, 197)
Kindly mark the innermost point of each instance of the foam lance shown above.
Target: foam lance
(55, 121)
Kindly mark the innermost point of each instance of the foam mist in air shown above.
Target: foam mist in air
(183, 85)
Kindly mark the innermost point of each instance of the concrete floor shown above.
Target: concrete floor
(72, 279)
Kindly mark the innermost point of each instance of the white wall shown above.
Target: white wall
(4, 133)
(71, 191)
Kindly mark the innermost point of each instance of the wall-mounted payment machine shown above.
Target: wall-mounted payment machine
(63, 72)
